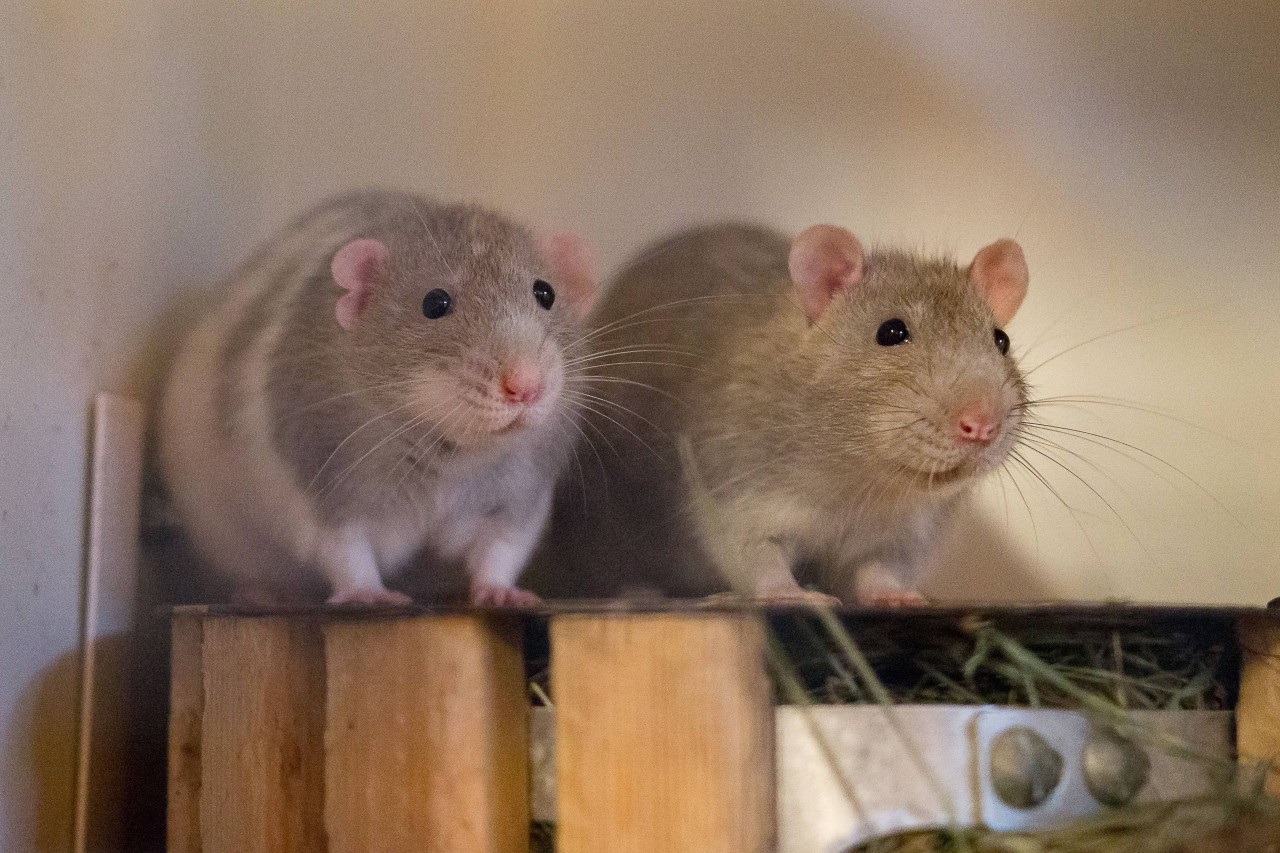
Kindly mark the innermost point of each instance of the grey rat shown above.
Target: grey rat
(767, 407)
(383, 383)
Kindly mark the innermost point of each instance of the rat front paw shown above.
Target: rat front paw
(376, 597)
(489, 595)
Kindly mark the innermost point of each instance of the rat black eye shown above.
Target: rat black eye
(892, 332)
(543, 293)
(436, 304)
(1002, 341)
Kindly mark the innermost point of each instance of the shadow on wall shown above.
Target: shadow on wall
(126, 788)
(977, 562)
(42, 736)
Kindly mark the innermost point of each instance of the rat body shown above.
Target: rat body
(382, 384)
(782, 407)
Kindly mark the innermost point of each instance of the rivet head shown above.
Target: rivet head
(1025, 769)
(1115, 768)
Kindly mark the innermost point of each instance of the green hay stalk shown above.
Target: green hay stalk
(1104, 673)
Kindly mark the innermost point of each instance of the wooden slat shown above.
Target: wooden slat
(186, 717)
(103, 771)
(427, 743)
(664, 734)
(262, 755)
(1258, 711)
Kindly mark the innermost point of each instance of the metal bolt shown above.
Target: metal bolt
(1115, 768)
(1025, 769)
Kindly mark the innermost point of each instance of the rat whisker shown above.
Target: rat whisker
(1175, 316)
(583, 395)
(1096, 494)
(586, 421)
(598, 369)
(1050, 444)
(1070, 510)
(627, 350)
(426, 229)
(1120, 447)
(618, 325)
(1044, 481)
(1116, 402)
(1035, 531)
(655, 346)
(466, 431)
(342, 475)
(638, 384)
(1004, 495)
(385, 386)
(1107, 443)
(352, 434)
(564, 417)
(414, 455)
(592, 408)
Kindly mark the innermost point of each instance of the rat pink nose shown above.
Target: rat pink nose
(977, 424)
(522, 383)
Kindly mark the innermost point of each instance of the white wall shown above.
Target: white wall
(1132, 147)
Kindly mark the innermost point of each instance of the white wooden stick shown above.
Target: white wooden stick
(111, 565)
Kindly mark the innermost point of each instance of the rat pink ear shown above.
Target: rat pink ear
(573, 268)
(357, 268)
(824, 261)
(1000, 272)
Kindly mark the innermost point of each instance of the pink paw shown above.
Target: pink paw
(488, 595)
(893, 598)
(377, 597)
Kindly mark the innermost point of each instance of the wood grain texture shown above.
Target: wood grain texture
(262, 750)
(664, 734)
(427, 744)
(186, 718)
(1258, 710)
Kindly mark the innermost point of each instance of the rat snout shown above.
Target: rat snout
(977, 423)
(522, 382)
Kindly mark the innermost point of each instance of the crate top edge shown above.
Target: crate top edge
(1057, 611)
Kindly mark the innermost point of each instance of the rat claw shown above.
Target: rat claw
(372, 597)
(489, 595)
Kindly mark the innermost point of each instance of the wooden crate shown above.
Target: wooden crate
(323, 730)
(306, 733)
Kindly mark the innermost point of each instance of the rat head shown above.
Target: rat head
(461, 318)
(911, 370)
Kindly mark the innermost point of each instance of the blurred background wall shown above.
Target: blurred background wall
(1133, 147)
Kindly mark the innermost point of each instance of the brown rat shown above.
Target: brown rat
(767, 407)
(384, 379)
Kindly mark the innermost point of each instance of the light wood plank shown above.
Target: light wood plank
(186, 720)
(262, 755)
(427, 745)
(664, 734)
(1258, 710)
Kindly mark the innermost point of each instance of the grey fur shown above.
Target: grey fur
(775, 417)
(347, 414)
